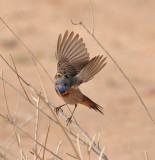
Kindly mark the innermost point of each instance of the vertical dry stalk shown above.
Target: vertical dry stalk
(146, 155)
(60, 142)
(79, 149)
(45, 142)
(100, 158)
(36, 127)
(7, 107)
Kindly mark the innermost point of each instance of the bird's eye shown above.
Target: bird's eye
(58, 75)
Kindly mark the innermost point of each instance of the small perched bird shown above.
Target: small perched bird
(74, 68)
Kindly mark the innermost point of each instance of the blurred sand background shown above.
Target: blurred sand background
(126, 28)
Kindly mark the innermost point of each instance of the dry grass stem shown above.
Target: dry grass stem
(36, 126)
(45, 142)
(91, 143)
(60, 142)
(79, 149)
(20, 147)
(146, 155)
(98, 139)
(100, 158)
(40, 148)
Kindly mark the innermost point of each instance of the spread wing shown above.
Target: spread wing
(71, 54)
(89, 71)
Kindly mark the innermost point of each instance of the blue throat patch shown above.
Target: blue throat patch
(60, 87)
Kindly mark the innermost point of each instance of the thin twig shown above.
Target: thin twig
(19, 78)
(71, 155)
(120, 69)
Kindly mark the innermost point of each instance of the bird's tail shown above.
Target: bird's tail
(92, 105)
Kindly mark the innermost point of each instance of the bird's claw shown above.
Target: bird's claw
(69, 120)
(57, 110)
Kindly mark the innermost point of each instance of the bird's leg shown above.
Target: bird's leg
(58, 108)
(69, 119)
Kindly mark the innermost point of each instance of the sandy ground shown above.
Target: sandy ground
(127, 31)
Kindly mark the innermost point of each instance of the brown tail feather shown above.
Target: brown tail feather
(92, 105)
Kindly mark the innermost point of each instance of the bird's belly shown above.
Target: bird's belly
(71, 96)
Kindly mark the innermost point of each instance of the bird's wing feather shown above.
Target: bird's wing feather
(89, 71)
(71, 54)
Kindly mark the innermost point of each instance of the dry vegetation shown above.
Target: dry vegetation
(29, 128)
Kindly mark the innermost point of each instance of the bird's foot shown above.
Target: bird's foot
(57, 109)
(69, 120)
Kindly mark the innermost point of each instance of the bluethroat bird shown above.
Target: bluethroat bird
(74, 68)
